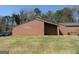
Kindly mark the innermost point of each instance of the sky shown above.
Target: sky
(7, 10)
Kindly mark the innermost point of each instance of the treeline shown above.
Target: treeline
(64, 15)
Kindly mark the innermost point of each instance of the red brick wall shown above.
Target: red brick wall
(73, 30)
(34, 27)
(63, 30)
(69, 30)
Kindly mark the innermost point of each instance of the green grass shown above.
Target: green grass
(40, 44)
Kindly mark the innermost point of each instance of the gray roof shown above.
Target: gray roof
(69, 24)
(46, 21)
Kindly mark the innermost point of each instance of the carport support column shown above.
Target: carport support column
(57, 30)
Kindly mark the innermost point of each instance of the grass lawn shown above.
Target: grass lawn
(40, 44)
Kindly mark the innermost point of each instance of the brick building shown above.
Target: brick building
(42, 27)
(36, 27)
(68, 29)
